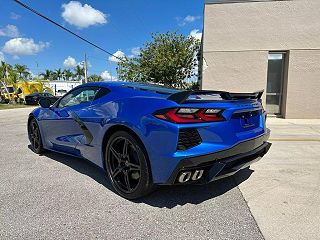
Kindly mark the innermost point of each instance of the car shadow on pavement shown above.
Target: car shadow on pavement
(172, 196)
(164, 196)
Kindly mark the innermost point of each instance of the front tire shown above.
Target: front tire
(35, 136)
(127, 166)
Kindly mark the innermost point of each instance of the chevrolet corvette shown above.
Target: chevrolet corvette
(144, 135)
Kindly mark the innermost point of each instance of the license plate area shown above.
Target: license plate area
(248, 119)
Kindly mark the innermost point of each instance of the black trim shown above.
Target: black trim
(244, 150)
(181, 97)
(188, 138)
(88, 135)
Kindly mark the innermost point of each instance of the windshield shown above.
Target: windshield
(10, 90)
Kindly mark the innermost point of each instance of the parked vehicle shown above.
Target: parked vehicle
(20, 90)
(8, 93)
(33, 99)
(25, 88)
(143, 135)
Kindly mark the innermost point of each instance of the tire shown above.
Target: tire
(35, 136)
(127, 166)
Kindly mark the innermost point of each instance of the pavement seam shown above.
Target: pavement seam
(237, 183)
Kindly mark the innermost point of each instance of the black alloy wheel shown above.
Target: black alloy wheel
(127, 166)
(35, 136)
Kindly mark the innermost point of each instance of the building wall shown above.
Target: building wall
(237, 39)
(303, 91)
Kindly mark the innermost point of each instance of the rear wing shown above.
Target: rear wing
(182, 97)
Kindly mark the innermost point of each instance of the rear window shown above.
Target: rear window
(205, 97)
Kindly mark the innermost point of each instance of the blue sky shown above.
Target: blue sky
(118, 26)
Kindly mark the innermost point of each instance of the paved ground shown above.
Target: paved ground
(284, 192)
(54, 197)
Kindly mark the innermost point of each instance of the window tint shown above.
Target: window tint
(78, 96)
(102, 92)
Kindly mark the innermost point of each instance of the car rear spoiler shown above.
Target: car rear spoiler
(182, 97)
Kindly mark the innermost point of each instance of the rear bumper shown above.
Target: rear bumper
(224, 163)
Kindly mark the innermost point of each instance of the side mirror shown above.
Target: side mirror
(44, 103)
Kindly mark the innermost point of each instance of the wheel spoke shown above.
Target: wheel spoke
(115, 154)
(35, 143)
(127, 181)
(134, 167)
(116, 172)
(125, 147)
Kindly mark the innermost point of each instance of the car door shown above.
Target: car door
(62, 124)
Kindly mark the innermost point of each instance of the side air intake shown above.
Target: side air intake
(188, 138)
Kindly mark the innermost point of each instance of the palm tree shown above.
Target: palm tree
(79, 72)
(4, 73)
(4, 69)
(22, 70)
(67, 74)
(47, 75)
(94, 78)
(13, 76)
(58, 73)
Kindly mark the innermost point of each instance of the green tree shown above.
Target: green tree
(168, 60)
(79, 72)
(22, 70)
(58, 73)
(4, 76)
(47, 74)
(94, 78)
(13, 76)
(67, 74)
(4, 69)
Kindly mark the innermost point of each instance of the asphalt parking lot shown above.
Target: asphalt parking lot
(59, 197)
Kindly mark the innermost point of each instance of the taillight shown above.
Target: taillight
(190, 115)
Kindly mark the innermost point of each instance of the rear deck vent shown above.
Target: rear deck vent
(188, 138)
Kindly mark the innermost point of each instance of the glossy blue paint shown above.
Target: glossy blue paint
(133, 109)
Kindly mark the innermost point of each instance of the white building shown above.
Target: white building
(61, 87)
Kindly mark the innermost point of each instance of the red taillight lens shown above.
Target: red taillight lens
(190, 115)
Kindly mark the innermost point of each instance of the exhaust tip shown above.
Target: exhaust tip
(184, 177)
(188, 175)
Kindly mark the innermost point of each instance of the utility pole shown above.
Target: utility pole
(85, 69)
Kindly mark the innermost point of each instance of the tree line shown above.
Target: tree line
(169, 59)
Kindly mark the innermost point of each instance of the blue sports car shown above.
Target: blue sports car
(144, 135)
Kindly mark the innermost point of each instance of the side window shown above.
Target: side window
(78, 96)
(101, 93)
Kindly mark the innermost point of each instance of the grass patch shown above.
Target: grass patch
(12, 106)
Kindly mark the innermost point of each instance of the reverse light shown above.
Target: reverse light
(190, 115)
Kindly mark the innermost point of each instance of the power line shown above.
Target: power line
(65, 29)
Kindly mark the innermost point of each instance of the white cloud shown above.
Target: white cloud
(2, 56)
(81, 64)
(14, 16)
(117, 56)
(136, 51)
(70, 62)
(9, 31)
(106, 75)
(23, 46)
(196, 34)
(188, 19)
(82, 16)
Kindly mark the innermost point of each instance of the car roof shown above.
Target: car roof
(139, 86)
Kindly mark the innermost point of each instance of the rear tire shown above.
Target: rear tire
(127, 166)
(35, 136)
